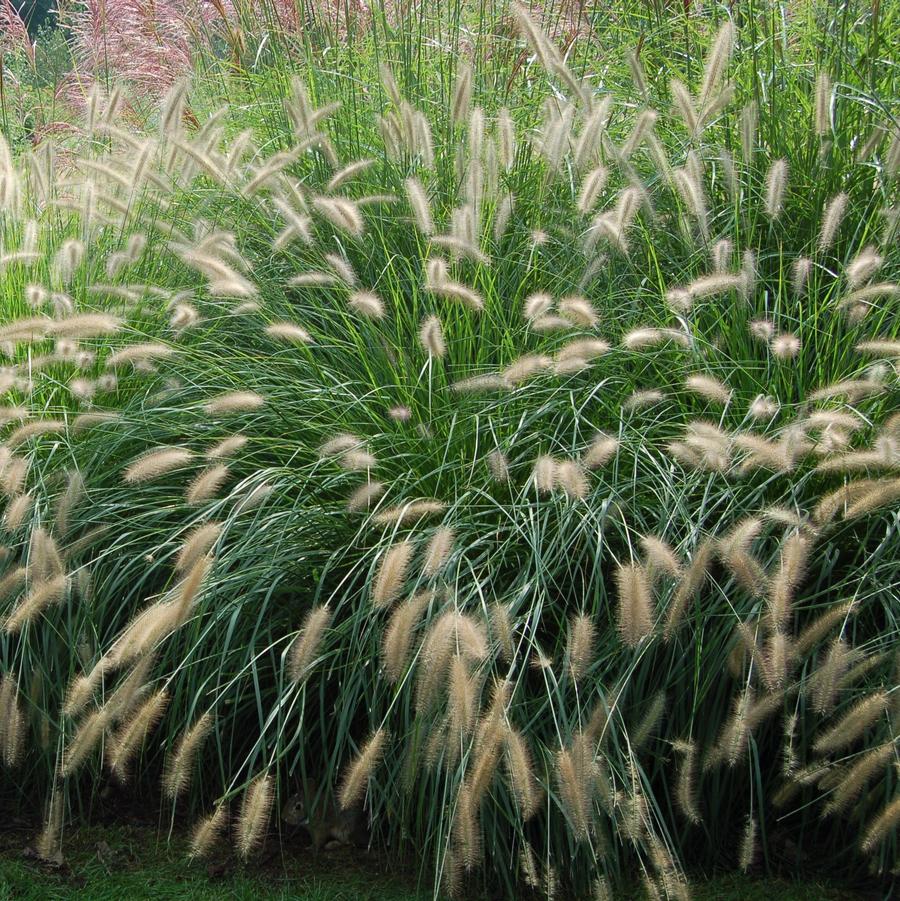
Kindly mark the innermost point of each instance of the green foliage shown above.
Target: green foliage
(36, 14)
(52, 60)
(685, 469)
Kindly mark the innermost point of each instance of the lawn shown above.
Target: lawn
(114, 864)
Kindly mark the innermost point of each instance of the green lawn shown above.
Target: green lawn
(135, 863)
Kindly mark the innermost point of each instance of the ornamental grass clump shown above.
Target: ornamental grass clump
(529, 477)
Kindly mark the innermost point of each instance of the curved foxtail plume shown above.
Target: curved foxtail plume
(856, 776)
(686, 794)
(235, 402)
(881, 826)
(791, 569)
(177, 776)
(852, 724)
(42, 595)
(84, 741)
(748, 848)
(365, 496)
(708, 387)
(13, 729)
(208, 831)
(156, 463)
(716, 64)
(198, 544)
(82, 689)
(418, 201)
(591, 189)
(431, 337)
(398, 635)
(250, 828)
(660, 557)
(49, 841)
(125, 743)
(574, 771)
(438, 551)
(691, 580)
(822, 105)
(649, 723)
(637, 75)
(353, 786)
(462, 94)
(635, 603)
(831, 220)
(206, 484)
(863, 266)
(684, 103)
(776, 185)
(307, 644)
(691, 190)
(520, 770)
(580, 650)
(392, 573)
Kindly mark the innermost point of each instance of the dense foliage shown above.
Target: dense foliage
(510, 450)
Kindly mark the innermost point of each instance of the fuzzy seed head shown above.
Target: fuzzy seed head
(235, 402)
(206, 484)
(289, 332)
(776, 184)
(365, 496)
(367, 304)
(881, 826)
(800, 272)
(438, 551)
(431, 337)
(785, 346)
(600, 451)
(853, 724)
(863, 266)
(125, 744)
(392, 573)
(537, 305)
(580, 650)
(156, 463)
(418, 202)
(579, 311)
(256, 808)
(207, 832)
(358, 774)
(398, 636)
(635, 603)
(708, 387)
(544, 474)
(661, 559)
(521, 774)
(822, 110)
(831, 220)
(498, 466)
(177, 776)
(306, 645)
(748, 846)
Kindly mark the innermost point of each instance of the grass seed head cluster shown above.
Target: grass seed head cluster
(532, 484)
